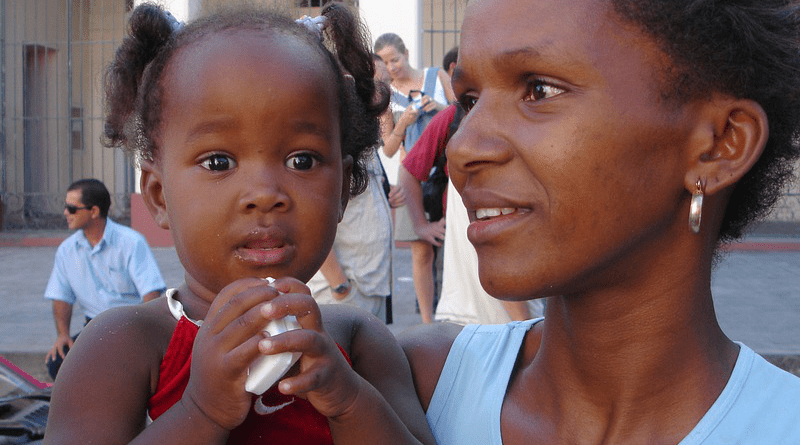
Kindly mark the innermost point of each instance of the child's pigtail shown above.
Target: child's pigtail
(150, 29)
(352, 47)
(364, 99)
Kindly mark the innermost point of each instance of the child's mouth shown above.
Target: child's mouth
(265, 250)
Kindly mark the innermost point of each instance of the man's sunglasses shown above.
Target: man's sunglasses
(72, 209)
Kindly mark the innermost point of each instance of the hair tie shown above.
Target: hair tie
(173, 22)
(315, 24)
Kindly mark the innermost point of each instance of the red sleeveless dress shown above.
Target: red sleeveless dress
(287, 420)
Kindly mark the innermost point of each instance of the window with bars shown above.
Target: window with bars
(53, 53)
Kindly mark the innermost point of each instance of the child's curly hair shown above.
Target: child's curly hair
(133, 81)
(742, 48)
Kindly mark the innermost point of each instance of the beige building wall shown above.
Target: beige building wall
(53, 53)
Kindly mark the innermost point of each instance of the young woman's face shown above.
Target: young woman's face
(251, 159)
(396, 62)
(569, 162)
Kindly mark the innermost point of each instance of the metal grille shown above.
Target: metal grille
(441, 21)
(52, 56)
(53, 53)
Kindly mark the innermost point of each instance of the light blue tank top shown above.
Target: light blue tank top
(760, 404)
(465, 406)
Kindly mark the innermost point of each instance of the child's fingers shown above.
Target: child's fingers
(236, 299)
(290, 285)
(301, 305)
(306, 341)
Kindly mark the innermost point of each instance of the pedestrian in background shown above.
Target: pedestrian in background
(100, 266)
(417, 95)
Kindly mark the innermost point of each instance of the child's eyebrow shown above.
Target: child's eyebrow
(209, 127)
(304, 126)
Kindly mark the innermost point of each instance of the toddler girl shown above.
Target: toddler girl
(250, 135)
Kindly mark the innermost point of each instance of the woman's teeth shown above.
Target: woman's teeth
(491, 213)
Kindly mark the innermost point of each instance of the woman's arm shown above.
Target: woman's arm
(391, 142)
(394, 141)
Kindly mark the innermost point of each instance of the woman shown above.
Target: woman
(608, 150)
(411, 119)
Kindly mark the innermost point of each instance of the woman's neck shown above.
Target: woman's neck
(637, 362)
(413, 80)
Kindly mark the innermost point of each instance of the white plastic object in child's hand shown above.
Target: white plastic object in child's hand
(267, 369)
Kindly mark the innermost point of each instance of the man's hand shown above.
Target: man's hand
(397, 196)
(60, 348)
(432, 232)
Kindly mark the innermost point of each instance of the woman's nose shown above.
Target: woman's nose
(479, 142)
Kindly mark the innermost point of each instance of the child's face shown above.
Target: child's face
(251, 168)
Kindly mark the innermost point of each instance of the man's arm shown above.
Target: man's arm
(62, 315)
(334, 275)
(432, 232)
(143, 270)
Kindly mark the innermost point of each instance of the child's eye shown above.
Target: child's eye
(539, 89)
(218, 162)
(301, 161)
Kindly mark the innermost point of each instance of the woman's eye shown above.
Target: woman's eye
(301, 161)
(539, 89)
(218, 163)
(467, 102)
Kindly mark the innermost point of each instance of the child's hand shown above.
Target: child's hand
(226, 344)
(324, 378)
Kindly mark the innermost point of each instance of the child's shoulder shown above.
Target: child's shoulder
(129, 328)
(347, 324)
(426, 347)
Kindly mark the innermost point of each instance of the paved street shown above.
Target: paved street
(757, 295)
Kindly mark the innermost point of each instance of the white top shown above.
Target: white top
(463, 300)
(363, 243)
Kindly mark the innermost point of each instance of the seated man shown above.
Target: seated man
(102, 265)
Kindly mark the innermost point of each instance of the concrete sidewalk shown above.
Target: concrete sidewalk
(756, 290)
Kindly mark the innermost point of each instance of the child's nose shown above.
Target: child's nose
(263, 193)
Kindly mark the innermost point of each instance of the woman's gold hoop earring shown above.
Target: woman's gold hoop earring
(696, 208)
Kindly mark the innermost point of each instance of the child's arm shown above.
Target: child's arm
(376, 403)
(101, 392)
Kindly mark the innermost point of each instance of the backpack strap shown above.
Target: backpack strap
(431, 74)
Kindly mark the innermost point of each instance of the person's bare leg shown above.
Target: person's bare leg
(422, 269)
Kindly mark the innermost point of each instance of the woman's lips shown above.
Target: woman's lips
(488, 223)
(482, 214)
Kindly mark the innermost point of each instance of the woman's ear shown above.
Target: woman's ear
(347, 173)
(153, 193)
(732, 137)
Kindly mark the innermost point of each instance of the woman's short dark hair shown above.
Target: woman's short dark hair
(745, 49)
